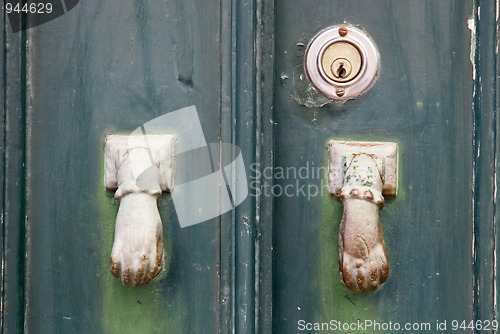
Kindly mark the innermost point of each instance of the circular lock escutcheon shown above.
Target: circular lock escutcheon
(342, 62)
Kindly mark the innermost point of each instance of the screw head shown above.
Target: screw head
(340, 92)
(343, 31)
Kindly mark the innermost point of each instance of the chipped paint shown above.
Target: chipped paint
(305, 95)
(303, 92)
(471, 24)
(246, 224)
(385, 155)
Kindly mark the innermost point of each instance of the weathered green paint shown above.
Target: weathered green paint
(423, 101)
(95, 71)
(485, 190)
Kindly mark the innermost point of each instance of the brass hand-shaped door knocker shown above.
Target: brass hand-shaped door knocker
(360, 174)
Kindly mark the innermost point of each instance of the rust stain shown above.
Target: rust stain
(126, 276)
(115, 268)
(139, 276)
(361, 280)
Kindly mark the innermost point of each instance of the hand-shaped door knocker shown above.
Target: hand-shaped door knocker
(140, 169)
(360, 173)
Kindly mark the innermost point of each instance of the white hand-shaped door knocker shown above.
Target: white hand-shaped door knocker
(360, 173)
(140, 169)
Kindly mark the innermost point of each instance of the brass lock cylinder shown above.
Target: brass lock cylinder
(342, 62)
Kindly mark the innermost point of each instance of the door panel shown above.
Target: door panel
(103, 69)
(422, 100)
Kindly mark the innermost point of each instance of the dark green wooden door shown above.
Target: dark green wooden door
(270, 265)
(103, 69)
(437, 232)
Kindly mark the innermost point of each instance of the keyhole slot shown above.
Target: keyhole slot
(341, 71)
